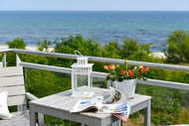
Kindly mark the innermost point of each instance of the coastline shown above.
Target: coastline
(28, 47)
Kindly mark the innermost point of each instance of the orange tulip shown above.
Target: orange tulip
(111, 67)
(106, 67)
(122, 72)
(141, 67)
(146, 69)
(131, 73)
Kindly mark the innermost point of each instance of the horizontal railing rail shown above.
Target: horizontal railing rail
(101, 59)
(58, 69)
(152, 82)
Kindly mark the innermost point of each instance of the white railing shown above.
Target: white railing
(168, 84)
(100, 59)
(161, 83)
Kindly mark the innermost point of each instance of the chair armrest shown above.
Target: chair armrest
(31, 96)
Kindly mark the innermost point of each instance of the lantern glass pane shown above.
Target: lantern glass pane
(82, 80)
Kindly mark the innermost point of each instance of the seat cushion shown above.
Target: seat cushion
(18, 119)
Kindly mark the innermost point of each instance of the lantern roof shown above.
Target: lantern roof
(76, 65)
(82, 62)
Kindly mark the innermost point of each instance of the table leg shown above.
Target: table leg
(32, 119)
(147, 120)
(117, 123)
(41, 119)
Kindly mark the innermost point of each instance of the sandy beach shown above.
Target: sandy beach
(160, 55)
(31, 48)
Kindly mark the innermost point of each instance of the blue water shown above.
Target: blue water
(146, 26)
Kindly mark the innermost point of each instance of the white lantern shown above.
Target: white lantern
(81, 73)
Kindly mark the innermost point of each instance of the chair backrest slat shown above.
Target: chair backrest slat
(11, 71)
(15, 90)
(12, 80)
(16, 100)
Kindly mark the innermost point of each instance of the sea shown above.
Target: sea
(103, 26)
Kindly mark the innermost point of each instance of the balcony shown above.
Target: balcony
(165, 94)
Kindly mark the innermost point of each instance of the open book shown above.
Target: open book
(120, 110)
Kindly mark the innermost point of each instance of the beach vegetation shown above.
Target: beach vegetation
(44, 45)
(112, 50)
(132, 49)
(178, 47)
(78, 42)
(18, 43)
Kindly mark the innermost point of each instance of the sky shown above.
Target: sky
(94, 5)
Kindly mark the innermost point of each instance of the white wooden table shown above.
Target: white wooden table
(58, 105)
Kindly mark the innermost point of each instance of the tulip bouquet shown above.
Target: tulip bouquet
(122, 72)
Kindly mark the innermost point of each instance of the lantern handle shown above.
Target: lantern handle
(77, 52)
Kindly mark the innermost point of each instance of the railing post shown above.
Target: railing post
(18, 61)
(4, 60)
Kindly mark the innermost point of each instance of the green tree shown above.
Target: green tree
(78, 42)
(87, 47)
(44, 45)
(17, 43)
(178, 47)
(112, 49)
(132, 49)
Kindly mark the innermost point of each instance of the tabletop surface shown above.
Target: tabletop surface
(63, 101)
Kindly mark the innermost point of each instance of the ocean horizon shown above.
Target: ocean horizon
(103, 26)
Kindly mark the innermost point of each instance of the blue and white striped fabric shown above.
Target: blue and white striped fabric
(123, 112)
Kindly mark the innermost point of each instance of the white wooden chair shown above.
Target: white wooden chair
(12, 80)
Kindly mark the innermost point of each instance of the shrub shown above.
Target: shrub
(178, 47)
(132, 49)
(17, 43)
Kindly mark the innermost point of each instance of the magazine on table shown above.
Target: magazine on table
(119, 110)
